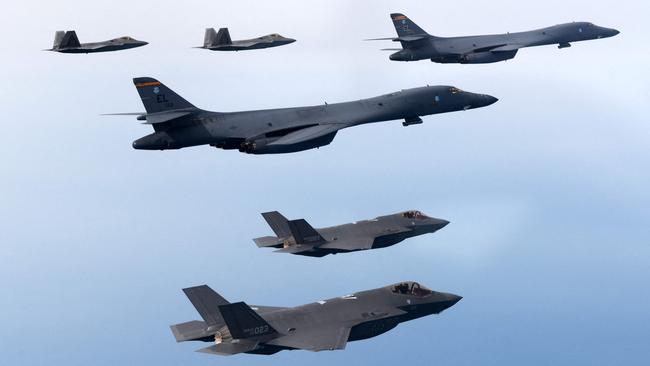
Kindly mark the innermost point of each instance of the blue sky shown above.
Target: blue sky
(547, 190)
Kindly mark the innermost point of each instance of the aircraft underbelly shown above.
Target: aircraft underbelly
(389, 239)
(372, 328)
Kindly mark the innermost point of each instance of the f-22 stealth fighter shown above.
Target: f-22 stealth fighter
(67, 42)
(298, 237)
(419, 45)
(221, 41)
(323, 325)
(178, 124)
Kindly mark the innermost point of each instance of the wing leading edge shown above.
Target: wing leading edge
(307, 134)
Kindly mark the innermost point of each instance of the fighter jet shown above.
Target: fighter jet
(67, 42)
(221, 41)
(298, 237)
(419, 45)
(324, 325)
(178, 124)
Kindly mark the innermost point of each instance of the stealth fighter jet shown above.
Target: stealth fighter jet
(178, 124)
(324, 325)
(298, 237)
(221, 41)
(67, 42)
(419, 45)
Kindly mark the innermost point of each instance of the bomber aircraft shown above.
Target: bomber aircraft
(67, 42)
(221, 41)
(417, 44)
(324, 325)
(178, 124)
(298, 237)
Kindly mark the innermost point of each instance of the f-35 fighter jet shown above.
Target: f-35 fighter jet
(298, 237)
(323, 325)
(221, 41)
(67, 42)
(178, 124)
(419, 45)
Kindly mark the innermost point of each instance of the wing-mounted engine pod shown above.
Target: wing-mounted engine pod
(403, 55)
(155, 141)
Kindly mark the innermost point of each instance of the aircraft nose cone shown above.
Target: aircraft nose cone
(489, 100)
(614, 32)
(448, 300)
(135, 144)
(440, 223)
(453, 299)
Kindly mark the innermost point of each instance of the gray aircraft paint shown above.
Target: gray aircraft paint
(322, 325)
(67, 42)
(178, 124)
(221, 41)
(417, 44)
(298, 237)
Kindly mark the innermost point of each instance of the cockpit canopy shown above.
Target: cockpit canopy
(127, 38)
(411, 289)
(414, 215)
(455, 90)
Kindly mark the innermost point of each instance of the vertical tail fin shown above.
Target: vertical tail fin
(303, 233)
(156, 97)
(223, 37)
(207, 303)
(405, 26)
(58, 38)
(210, 37)
(278, 223)
(244, 322)
(69, 40)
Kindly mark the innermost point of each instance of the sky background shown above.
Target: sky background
(546, 191)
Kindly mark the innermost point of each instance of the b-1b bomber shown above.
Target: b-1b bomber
(298, 237)
(417, 44)
(179, 124)
(234, 328)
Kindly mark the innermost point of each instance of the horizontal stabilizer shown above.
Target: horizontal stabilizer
(162, 117)
(228, 349)
(243, 322)
(268, 241)
(380, 39)
(190, 331)
(295, 249)
(401, 39)
(159, 117)
(410, 38)
(125, 114)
